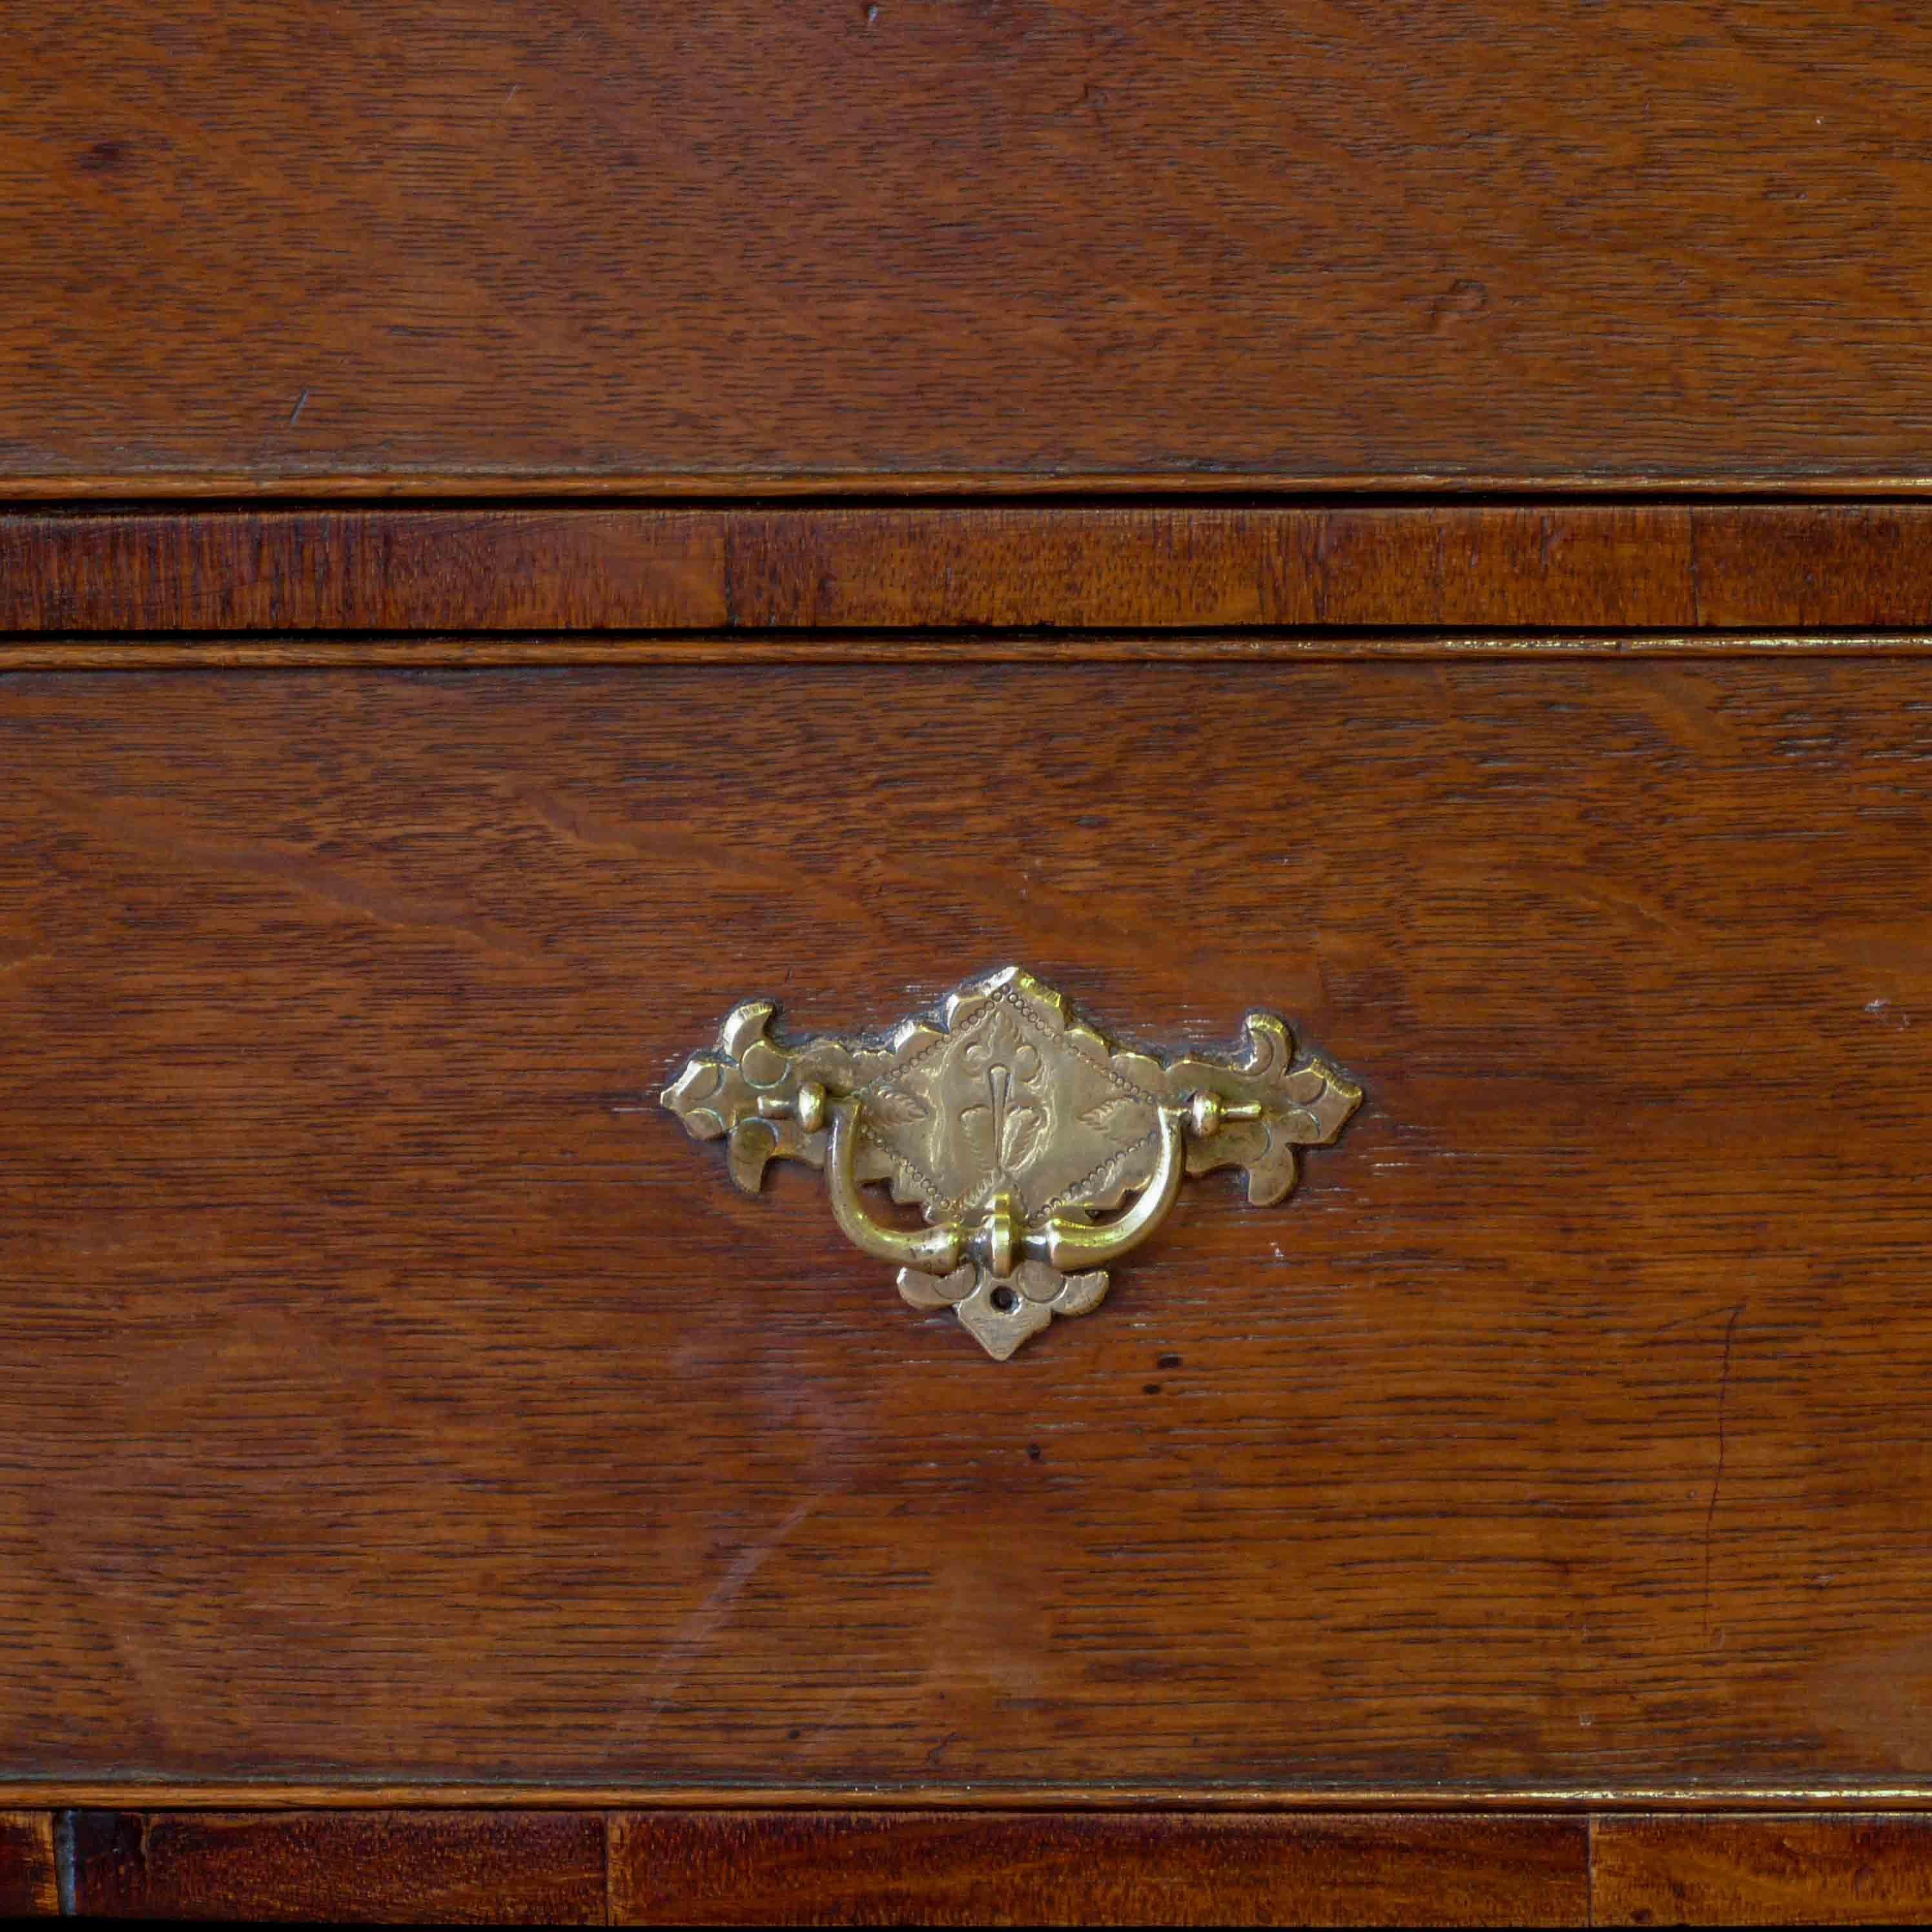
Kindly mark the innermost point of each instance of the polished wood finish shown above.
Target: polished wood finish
(856, 1867)
(1419, 516)
(1792, 1871)
(445, 244)
(940, 1868)
(1557, 570)
(1541, 567)
(355, 1867)
(396, 1394)
(348, 570)
(27, 1886)
(852, 1867)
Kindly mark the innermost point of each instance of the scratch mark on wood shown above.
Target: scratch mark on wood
(716, 1608)
(1718, 1476)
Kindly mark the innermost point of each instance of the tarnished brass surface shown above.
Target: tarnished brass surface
(1012, 1123)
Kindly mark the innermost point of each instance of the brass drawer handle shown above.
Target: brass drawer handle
(1001, 1237)
(1012, 1124)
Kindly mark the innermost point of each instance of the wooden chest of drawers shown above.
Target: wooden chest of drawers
(1403, 521)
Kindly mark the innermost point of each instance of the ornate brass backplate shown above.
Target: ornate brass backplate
(1013, 1124)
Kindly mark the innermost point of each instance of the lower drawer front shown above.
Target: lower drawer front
(395, 1392)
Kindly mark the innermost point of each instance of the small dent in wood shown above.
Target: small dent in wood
(1463, 297)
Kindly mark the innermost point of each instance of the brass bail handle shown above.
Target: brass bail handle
(1041, 1151)
(1002, 1237)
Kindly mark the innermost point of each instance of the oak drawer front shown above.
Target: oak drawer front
(395, 1394)
(438, 246)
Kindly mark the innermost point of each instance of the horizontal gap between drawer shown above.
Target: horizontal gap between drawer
(80, 1794)
(932, 499)
(964, 649)
(213, 488)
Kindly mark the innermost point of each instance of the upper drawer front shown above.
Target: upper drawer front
(456, 243)
(394, 1391)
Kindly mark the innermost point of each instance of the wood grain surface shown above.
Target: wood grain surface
(1567, 567)
(27, 1888)
(395, 1395)
(452, 245)
(1792, 1870)
(355, 1867)
(1020, 1868)
(855, 1866)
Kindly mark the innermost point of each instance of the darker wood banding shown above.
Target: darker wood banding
(933, 1868)
(27, 1888)
(1527, 570)
(1855, 1869)
(375, 1867)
